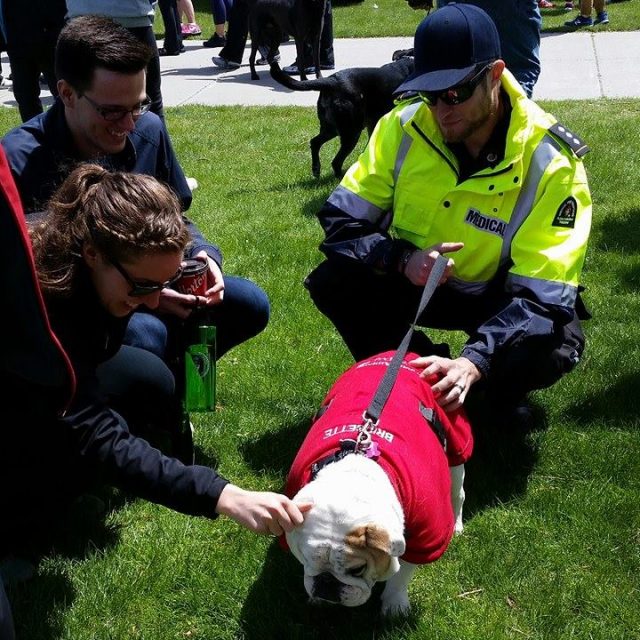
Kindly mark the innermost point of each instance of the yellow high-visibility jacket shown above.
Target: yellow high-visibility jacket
(525, 220)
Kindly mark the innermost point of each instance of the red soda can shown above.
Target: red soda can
(194, 277)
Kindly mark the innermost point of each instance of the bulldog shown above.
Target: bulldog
(379, 511)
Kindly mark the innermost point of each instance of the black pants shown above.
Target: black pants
(172, 25)
(239, 29)
(373, 312)
(146, 35)
(27, 62)
(141, 387)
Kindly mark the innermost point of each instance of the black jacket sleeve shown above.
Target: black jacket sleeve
(105, 446)
(354, 239)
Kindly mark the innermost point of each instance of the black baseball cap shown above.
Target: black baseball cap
(449, 45)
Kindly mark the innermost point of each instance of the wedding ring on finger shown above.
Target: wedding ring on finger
(459, 387)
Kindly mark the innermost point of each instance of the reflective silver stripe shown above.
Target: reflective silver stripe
(547, 291)
(355, 205)
(546, 150)
(409, 111)
(405, 144)
(403, 150)
(470, 288)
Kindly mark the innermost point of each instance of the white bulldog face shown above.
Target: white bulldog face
(343, 567)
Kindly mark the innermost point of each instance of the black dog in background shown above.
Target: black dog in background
(270, 20)
(349, 101)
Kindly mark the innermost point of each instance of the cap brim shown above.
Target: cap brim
(435, 80)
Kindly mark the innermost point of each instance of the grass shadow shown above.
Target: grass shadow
(620, 233)
(502, 461)
(274, 451)
(75, 533)
(279, 589)
(617, 403)
(38, 606)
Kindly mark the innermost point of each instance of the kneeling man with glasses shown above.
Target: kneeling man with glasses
(102, 116)
(465, 165)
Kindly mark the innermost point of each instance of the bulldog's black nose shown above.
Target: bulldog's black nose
(327, 587)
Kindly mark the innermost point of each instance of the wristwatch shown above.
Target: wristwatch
(404, 260)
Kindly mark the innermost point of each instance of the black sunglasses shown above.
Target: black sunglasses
(139, 289)
(458, 94)
(113, 114)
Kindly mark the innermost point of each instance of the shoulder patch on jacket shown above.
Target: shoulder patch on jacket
(566, 214)
(577, 145)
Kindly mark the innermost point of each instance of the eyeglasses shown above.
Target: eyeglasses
(455, 95)
(113, 114)
(139, 289)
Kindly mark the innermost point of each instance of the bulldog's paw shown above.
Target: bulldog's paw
(458, 527)
(395, 603)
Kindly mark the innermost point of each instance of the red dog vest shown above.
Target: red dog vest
(410, 452)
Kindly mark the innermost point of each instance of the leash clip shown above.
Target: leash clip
(363, 441)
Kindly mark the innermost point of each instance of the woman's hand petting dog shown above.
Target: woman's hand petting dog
(452, 378)
(419, 265)
(261, 511)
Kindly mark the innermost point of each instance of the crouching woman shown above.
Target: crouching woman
(110, 243)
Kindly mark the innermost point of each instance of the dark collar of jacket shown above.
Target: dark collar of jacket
(42, 153)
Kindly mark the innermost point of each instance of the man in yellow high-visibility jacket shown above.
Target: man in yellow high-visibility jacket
(465, 165)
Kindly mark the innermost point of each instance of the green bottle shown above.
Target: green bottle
(200, 371)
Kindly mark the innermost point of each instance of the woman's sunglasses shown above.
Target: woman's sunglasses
(455, 95)
(139, 289)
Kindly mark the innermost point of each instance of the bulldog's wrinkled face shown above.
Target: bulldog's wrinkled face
(342, 568)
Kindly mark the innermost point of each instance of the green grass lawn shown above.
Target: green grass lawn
(378, 18)
(551, 545)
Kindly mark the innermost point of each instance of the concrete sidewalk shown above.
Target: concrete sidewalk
(575, 66)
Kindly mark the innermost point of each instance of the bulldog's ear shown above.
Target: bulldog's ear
(376, 538)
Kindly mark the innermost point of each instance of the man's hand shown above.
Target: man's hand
(261, 511)
(183, 305)
(421, 262)
(454, 378)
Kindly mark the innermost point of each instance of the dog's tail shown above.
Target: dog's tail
(317, 84)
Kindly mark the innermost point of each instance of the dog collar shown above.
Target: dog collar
(347, 447)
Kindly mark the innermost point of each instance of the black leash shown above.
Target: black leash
(371, 415)
(364, 444)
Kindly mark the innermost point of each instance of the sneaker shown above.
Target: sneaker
(215, 41)
(292, 70)
(193, 183)
(602, 18)
(264, 53)
(190, 29)
(163, 52)
(545, 4)
(221, 63)
(264, 60)
(579, 21)
(568, 6)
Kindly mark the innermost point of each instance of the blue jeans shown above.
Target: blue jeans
(243, 313)
(518, 23)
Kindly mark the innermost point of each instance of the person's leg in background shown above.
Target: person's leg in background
(230, 56)
(220, 10)
(190, 27)
(153, 80)
(25, 72)
(172, 31)
(327, 57)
